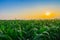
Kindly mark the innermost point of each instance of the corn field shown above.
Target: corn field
(29, 29)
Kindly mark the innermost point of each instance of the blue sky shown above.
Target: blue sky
(11, 9)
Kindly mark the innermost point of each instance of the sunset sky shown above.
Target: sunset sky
(29, 9)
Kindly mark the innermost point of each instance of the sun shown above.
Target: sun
(47, 13)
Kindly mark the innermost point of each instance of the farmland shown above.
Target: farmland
(29, 29)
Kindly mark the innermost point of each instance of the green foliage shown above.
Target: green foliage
(29, 29)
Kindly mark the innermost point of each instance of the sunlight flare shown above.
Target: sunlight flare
(47, 13)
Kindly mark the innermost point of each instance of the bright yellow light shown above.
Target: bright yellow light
(47, 13)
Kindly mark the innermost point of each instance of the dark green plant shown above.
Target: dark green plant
(29, 29)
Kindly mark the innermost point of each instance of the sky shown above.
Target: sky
(29, 9)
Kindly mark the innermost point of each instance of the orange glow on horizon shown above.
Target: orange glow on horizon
(49, 16)
(45, 15)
